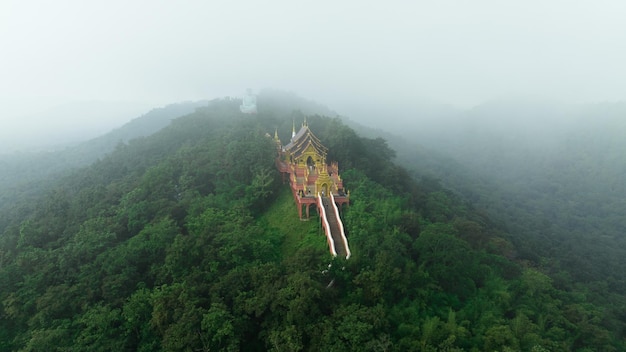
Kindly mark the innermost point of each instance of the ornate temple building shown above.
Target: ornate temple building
(314, 182)
(303, 160)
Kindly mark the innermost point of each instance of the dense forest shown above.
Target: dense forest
(187, 240)
(553, 176)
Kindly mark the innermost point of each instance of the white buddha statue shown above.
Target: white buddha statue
(248, 105)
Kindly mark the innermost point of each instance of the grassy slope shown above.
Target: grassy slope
(282, 216)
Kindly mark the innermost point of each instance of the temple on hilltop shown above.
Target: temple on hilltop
(314, 182)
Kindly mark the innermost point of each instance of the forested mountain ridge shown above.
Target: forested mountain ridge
(187, 240)
(551, 175)
(554, 176)
(22, 172)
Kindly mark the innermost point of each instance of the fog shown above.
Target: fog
(352, 56)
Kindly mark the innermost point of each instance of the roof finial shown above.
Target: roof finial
(293, 128)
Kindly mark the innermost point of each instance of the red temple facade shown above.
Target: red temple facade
(303, 161)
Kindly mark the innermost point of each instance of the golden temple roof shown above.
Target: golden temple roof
(302, 140)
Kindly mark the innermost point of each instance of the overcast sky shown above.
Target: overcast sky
(457, 52)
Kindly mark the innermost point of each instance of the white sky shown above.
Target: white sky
(457, 52)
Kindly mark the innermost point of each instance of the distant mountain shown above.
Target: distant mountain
(282, 103)
(142, 126)
(20, 169)
(552, 175)
(63, 125)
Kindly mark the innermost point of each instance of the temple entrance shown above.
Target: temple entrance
(304, 211)
(324, 189)
(308, 211)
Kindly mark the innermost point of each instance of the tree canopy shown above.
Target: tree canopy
(187, 240)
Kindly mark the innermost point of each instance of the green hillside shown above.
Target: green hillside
(27, 173)
(553, 176)
(187, 240)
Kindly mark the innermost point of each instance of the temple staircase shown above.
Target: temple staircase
(333, 227)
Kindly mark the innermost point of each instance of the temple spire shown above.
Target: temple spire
(293, 128)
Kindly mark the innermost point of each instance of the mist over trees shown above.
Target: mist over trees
(187, 240)
(563, 161)
(27, 172)
(62, 125)
(551, 174)
(475, 224)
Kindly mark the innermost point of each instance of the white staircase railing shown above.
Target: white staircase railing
(343, 234)
(329, 238)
